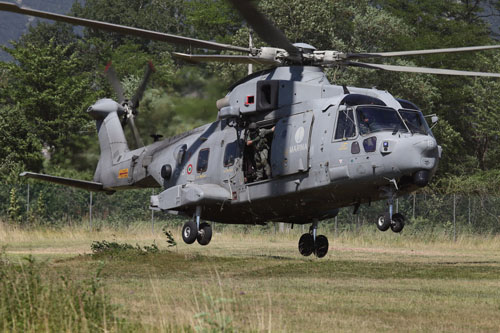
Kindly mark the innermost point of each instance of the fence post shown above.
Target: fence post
(153, 216)
(414, 202)
(90, 211)
(336, 226)
(454, 217)
(28, 200)
(469, 210)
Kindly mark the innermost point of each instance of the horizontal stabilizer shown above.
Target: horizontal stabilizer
(83, 184)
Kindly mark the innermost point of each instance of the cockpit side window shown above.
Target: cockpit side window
(415, 121)
(346, 127)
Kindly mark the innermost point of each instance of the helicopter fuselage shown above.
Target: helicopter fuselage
(321, 157)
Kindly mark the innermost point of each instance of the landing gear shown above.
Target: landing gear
(321, 246)
(398, 222)
(389, 220)
(310, 243)
(189, 232)
(204, 234)
(306, 245)
(383, 222)
(195, 231)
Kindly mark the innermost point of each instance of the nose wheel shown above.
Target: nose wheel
(389, 220)
(397, 223)
(310, 243)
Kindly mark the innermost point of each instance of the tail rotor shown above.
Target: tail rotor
(130, 107)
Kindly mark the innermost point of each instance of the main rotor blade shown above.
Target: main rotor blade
(263, 27)
(421, 52)
(115, 83)
(137, 137)
(140, 91)
(236, 59)
(154, 35)
(424, 70)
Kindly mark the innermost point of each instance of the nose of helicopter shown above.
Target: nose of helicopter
(415, 156)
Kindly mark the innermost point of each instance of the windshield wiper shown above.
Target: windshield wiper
(396, 130)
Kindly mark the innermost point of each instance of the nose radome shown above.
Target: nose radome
(426, 145)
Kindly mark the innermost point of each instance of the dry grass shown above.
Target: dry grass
(256, 281)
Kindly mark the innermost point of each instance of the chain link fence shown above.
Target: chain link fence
(48, 204)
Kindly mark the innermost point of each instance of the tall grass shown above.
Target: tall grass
(33, 300)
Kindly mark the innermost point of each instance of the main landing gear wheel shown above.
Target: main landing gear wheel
(383, 222)
(204, 234)
(398, 222)
(306, 245)
(321, 246)
(190, 232)
(310, 243)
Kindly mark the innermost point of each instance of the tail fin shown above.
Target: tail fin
(110, 132)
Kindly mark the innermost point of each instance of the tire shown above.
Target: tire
(306, 245)
(205, 235)
(383, 222)
(398, 222)
(321, 246)
(189, 232)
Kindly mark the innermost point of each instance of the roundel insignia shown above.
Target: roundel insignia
(299, 135)
(189, 169)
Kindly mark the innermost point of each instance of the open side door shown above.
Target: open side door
(291, 143)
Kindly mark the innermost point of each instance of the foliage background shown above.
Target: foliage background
(56, 74)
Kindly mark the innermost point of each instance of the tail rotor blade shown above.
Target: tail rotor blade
(140, 91)
(115, 83)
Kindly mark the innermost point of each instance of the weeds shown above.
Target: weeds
(32, 300)
(170, 238)
(215, 317)
(114, 248)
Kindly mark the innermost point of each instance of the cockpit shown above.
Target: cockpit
(373, 119)
(367, 115)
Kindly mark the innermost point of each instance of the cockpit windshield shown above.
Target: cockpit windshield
(375, 119)
(415, 121)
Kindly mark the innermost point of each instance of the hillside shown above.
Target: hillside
(12, 26)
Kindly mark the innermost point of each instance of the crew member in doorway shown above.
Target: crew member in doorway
(258, 139)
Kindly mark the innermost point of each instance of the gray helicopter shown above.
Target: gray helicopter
(287, 146)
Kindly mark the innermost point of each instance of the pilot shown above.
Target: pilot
(258, 139)
(364, 124)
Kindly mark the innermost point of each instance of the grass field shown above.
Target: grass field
(255, 281)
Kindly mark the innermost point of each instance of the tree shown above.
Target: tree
(49, 86)
(21, 149)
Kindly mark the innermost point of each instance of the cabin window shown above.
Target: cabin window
(180, 153)
(370, 144)
(355, 148)
(230, 153)
(357, 99)
(202, 164)
(346, 127)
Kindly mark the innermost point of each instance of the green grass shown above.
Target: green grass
(249, 280)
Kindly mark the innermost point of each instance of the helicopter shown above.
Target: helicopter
(325, 146)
